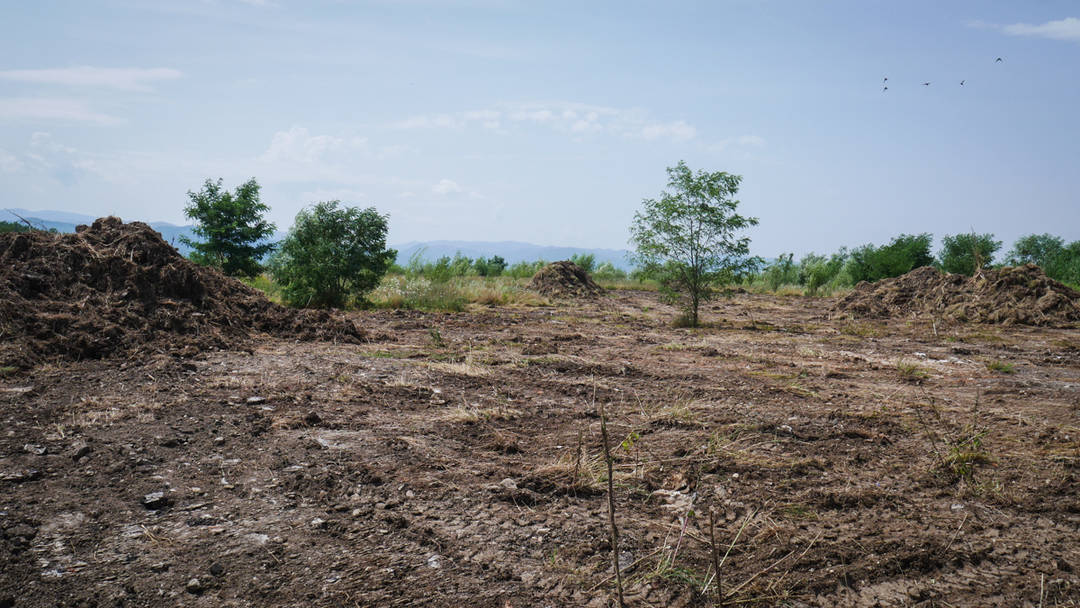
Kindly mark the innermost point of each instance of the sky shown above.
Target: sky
(549, 122)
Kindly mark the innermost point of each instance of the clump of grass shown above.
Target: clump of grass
(910, 372)
(462, 368)
(265, 284)
(7, 370)
(576, 471)
(861, 330)
(677, 411)
(1002, 367)
(452, 294)
(471, 414)
(965, 451)
(418, 293)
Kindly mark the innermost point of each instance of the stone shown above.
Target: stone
(80, 450)
(194, 586)
(256, 400)
(217, 569)
(33, 448)
(155, 501)
(509, 484)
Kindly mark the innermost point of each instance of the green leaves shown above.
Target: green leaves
(232, 226)
(964, 253)
(688, 238)
(331, 255)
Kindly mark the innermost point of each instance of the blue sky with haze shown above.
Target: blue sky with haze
(548, 122)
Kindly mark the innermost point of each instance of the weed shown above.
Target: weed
(959, 450)
(910, 372)
(678, 411)
(798, 511)
(7, 371)
(861, 330)
(435, 337)
(965, 451)
(471, 414)
(1000, 366)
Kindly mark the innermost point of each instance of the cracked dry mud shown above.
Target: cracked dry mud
(845, 463)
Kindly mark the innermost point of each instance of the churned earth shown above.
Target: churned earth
(455, 459)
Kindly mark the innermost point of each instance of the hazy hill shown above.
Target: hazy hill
(511, 251)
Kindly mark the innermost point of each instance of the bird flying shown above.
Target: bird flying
(962, 83)
(998, 60)
(926, 84)
(883, 89)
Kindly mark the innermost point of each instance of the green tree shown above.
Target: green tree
(489, 267)
(902, 255)
(584, 261)
(781, 272)
(1039, 249)
(332, 255)
(13, 227)
(963, 253)
(232, 227)
(688, 238)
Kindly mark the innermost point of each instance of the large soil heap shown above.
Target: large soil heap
(564, 280)
(1021, 295)
(115, 288)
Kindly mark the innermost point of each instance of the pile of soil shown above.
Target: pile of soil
(119, 289)
(1021, 295)
(565, 280)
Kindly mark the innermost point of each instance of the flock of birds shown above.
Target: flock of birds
(885, 81)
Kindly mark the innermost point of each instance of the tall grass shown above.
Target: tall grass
(455, 294)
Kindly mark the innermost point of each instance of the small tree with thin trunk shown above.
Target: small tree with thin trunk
(232, 227)
(688, 239)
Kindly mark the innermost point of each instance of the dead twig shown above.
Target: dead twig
(611, 503)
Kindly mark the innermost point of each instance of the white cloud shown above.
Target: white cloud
(741, 141)
(573, 118)
(1063, 29)
(71, 110)
(677, 131)
(9, 163)
(446, 186)
(431, 121)
(299, 145)
(125, 79)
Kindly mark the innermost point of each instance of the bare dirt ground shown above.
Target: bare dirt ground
(454, 459)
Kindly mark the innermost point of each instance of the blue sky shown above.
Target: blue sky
(549, 122)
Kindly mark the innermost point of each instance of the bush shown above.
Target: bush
(490, 267)
(584, 261)
(963, 253)
(607, 271)
(332, 255)
(818, 273)
(13, 227)
(902, 255)
(525, 270)
(781, 272)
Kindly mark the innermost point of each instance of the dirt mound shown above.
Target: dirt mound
(116, 288)
(564, 280)
(1021, 295)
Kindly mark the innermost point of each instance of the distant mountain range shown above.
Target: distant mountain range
(511, 251)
